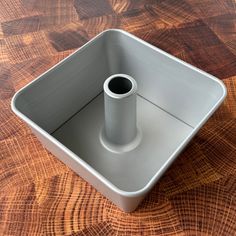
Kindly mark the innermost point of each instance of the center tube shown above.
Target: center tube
(120, 109)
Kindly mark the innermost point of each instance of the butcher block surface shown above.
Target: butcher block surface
(39, 195)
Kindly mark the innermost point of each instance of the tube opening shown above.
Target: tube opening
(120, 85)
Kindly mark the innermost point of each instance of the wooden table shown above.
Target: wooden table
(41, 196)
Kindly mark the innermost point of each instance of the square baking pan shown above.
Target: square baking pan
(64, 107)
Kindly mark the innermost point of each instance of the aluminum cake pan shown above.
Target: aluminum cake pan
(177, 88)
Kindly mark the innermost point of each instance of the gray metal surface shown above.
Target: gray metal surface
(131, 170)
(64, 108)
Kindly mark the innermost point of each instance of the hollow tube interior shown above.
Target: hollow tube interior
(120, 85)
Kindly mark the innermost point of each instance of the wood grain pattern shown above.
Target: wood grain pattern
(41, 196)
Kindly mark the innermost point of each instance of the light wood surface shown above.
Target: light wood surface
(41, 196)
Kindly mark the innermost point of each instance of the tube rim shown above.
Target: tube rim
(132, 91)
